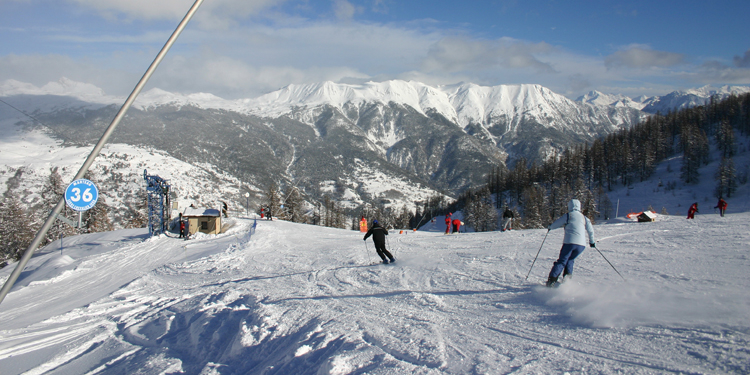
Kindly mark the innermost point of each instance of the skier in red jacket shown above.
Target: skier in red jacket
(448, 223)
(722, 206)
(456, 225)
(692, 210)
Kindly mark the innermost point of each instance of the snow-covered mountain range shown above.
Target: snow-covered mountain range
(392, 142)
(675, 100)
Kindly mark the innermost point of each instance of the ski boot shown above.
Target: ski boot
(551, 282)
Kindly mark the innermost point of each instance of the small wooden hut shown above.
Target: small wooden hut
(206, 220)
(646, 216)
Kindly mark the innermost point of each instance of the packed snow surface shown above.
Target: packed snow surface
(300, 299)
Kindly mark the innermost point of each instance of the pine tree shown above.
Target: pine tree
(96, 219)
(604, 203)
(695, 152)
(588, 204)
(480, 212)
(294, 206)
(52, 192)
(403, 218)
(273, 199)
(137, 216)
(15, 232)
(534, 207)
(726, 179)
(725, 140)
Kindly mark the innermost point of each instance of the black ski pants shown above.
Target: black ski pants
(382, 252)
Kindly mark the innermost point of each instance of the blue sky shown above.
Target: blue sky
(243, 48)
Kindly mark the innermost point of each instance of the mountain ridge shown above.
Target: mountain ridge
(674, 100)
(318, 136)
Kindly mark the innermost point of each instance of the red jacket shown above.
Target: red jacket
(722, 204)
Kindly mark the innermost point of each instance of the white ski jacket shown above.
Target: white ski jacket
(576, 225)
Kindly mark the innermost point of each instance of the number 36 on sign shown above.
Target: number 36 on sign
(81, 195)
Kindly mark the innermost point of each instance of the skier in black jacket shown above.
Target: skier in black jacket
(378, 234)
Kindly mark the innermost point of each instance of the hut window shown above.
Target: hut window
(204, 225)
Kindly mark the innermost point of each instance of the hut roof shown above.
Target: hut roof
(194, 212)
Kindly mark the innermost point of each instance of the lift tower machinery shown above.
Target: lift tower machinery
(159, 211)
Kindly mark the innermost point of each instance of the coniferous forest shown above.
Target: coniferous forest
(538, 193)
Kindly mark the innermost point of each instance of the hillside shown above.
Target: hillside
(433, 138)
(387, 144)
(301, 299)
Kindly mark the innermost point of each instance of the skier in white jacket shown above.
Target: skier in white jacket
(576, 225)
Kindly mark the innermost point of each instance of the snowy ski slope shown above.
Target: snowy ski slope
(301, 299)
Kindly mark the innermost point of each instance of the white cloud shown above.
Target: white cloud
(232, 58)
(211, 14)
(41, 69)
(642, 57)
(344, 10)
(716, 73)
(232, 78)
(743, 61)
(453, 54)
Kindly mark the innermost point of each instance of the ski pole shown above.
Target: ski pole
(605, 258)
(537, 255)
(369, 257)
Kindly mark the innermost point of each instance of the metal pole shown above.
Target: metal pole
(537, 255)
(97, 149)
(613, 267)
(617, 213)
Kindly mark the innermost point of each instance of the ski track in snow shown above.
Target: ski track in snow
(308, 300)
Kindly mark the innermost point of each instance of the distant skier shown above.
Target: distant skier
(692, 211)
(722, 206)
(268, 214)
(457, 226)
(378, 234)
(508, 216)
(448, 223)
(576, 225)
(224, 208)
(182, 226)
